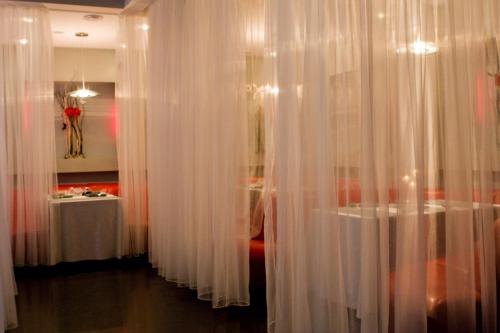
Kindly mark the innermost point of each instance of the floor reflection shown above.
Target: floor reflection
(121, 296)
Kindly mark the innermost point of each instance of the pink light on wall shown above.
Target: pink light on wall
(480, 111)
(26, 109)
(113, 125)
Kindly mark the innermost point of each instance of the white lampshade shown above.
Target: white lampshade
(83, 93)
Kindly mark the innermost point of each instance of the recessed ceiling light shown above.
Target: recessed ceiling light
(145, 27)
(28, 19)
(23, 41)
(58, 32)
(93, 17)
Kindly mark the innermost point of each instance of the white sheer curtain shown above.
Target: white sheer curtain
(253, 11)
(131, 102)
(381, 165)
(197, 148)
(8, 316)
(26, 104)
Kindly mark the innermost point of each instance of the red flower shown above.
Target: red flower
(72, 112)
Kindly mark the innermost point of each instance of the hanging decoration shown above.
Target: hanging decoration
(72, 115)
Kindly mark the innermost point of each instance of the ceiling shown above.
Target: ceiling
(66, 22)
(95, 3)
(67, 18)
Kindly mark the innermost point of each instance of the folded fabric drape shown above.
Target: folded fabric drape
(27, 160)
(374, 107)
(26, 104)
(8, 315)
(197, 140)
(131, 101)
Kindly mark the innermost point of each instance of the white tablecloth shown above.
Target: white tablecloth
(350, 223)
(83, 228)
(256, 210)
(351, 244)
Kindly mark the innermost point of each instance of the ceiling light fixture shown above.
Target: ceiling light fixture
(93, 17)
(418, 47)
(268, 89)
(23, 41)
(28, 19)
(83, 92)
(145, 27)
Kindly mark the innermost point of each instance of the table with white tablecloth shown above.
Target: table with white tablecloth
(256, 209)
(85, 228)
(351, 219)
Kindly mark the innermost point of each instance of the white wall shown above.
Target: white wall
(99, 131)
(99, 64)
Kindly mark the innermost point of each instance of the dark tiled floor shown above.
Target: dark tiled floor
(121, 296)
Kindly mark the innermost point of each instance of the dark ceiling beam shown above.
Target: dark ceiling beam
(136, 6)
(94, 3)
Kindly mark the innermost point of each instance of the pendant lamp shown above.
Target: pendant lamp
(83, 92)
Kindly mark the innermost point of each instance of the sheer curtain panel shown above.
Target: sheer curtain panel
(27, 109)
(381, 165)
(131, 109)
(197, 142)
(8, 316)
